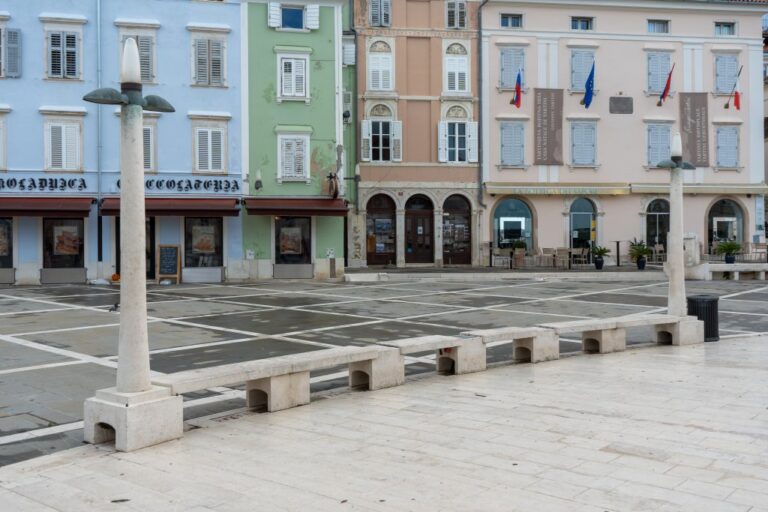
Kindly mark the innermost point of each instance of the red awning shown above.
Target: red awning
(295, 207)
(70, 207)
(181, 207)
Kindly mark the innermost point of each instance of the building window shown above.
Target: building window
(582, 23)
(6, 243)
(584, 143)
(581, 65)
(511, 21)
(148, 142)
(209, 61)
(512, 144)
(63, 55)
(725, 222)
(728, 147)
(381, 13)
(457, 142)
(723, 28)
(291, 17)
(512, 222)
(293, 76)
(512, 62)
(380, 67)
(381, 230)
(456, 69)
(293, 240)
(203, 242)
(726, 71)
(62, 145)
(659, 64)
(10, 52)
(349, 52)
(456, 14)
(63, 243)
(457, 137)
(146, 45)
(381, 137)
(210, 143)
(659, 138)
(293, 158)
(658, 26)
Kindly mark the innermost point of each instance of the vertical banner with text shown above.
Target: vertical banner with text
(694, 128)
(548, 127)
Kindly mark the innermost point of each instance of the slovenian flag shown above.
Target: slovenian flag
(736, 94)
(517, 99)
(665, 93)
(589, 88)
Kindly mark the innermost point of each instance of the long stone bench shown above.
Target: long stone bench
(712, 271)
(610, 335)
(529, 344)
(453, 354)
(283, 382)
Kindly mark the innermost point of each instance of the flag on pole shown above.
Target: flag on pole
(517, 99)
(589, 88)
(736, 93)
(667, 87)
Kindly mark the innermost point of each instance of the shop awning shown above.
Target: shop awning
(69, 207)
(313, 207)
(178, 206)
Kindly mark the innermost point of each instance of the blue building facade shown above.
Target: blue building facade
(60, 156)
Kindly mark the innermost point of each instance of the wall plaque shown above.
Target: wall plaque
(548, 127)
(694, 128)
(620, 105)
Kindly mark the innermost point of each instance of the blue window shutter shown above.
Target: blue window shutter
(512, 61)
(581, 64)
(658, 143)
(659, 64)
(726, 67)
(13, 53)
(727, 146)
(583, 143)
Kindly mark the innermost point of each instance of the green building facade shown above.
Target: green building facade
(296, 205)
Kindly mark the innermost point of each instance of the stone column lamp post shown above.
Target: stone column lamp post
(134, 413)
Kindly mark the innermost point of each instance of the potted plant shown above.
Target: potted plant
(639, 253)
(598, 252)
(519, 244)
(729, 249)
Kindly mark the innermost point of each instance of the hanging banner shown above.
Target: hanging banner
(694, 127)
(548, 127)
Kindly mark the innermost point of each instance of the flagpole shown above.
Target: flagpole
(733, 91)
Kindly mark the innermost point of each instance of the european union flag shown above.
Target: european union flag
(589, 88)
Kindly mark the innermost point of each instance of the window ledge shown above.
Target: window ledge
(49, 17)
(202, 114)
(209, 27)
(63, 80)
(508, 88)
(54, 110)
(5, 108)
(135, 23)
(294, 30)
(577, 91)
(654, 168)
(5, 15)
(291, 99)
(716, 94)
(648, 94)
(507, 167)
(210, 173)
(375, 95)
(294, 180)
(576, 167)
(208, 86)
(727, 169)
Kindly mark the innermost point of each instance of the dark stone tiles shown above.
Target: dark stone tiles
(279, 321)
(362, 335)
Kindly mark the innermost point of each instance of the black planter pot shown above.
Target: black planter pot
(599, 262)
(730, 258)
(641, 263)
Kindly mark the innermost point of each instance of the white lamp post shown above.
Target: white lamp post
(135, 413)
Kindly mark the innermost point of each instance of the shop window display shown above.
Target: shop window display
(63, 243)
(203, 242)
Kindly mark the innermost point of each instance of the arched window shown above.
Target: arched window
(380, 67)
(381, 231)
(657, 223)
(512, 222)
(456, 69)
(725, 222)
(457, 231)
(381, 136)
(583, 223)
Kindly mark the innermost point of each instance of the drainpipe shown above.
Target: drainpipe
(353, 118)
(480, 134)
(99, 237)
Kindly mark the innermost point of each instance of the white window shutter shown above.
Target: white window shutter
(442, 141)
(71, 57)
(2, 146)
(375, 17)
(397, 141)
(348, 53)
(726, 68)
(299, 77)
(727, 146)
(386, 71)
(275, 15)
(287, 77)
(300, 159)
(461, 74)
(13, 53)
(54, 137)
(217, 150)
(472, 142)
(216, 58)
(313, 16)
(451, 70)
(287, 150)
(512, 61)
(203, 144)
(386, 13)
(365, 140)
(512, 143)
(148, 150)
(450, 7)
(71, 147)
(659, 137)
(374, 73)
(145, 57)
(581, 64)
(583, 143)
(201, 61)
(658, 70)
(55, 54)
(461, 14)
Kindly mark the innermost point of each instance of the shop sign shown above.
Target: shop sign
(694, 123)
(35, 184)
(183, 184)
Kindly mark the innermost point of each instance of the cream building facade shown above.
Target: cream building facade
(568, 176)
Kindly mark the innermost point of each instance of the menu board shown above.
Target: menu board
(169, 262)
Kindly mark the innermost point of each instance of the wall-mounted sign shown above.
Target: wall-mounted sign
(180, 184)
(620, 105)
(694, 127)
(32, 184)
(548, 127)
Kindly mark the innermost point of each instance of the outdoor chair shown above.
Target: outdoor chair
(546, 258)
(581, 256)
(562, 255)
(659, 255)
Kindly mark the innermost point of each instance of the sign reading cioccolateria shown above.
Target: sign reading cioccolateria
(694, 128)
(548, 127)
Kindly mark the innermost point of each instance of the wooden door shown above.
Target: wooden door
(419, 237)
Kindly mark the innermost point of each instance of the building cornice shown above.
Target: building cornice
(655, 5)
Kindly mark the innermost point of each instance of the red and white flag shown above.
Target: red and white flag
(736, 93)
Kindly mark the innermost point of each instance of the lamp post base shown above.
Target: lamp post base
(133, 420)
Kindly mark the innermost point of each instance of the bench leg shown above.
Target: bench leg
(467, 358)
(385, 371)
(542, 347)
(761, 276)
(688, 331)
(279, 392)
(604, 341)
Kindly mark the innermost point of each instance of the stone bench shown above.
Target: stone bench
(453, 354)
(283, 382)
(609, 335)
(713, 271)
(529, 344)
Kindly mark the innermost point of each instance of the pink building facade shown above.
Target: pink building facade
(558, 174)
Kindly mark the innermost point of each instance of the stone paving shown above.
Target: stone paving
(59, 343)
(650, 429)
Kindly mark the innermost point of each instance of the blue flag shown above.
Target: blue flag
(589, 88)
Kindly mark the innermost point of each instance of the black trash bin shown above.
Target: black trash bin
(704, 307)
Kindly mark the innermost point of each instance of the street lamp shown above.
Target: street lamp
(675, 257)
(138, 413)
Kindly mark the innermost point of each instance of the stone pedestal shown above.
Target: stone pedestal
(278, 392)
(544, 346)
(385, 371)
(688, 331)
(133, 420)
(604, 341)
(468, 357)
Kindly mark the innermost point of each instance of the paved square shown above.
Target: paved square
(59, 343)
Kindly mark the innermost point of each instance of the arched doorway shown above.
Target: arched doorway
(457, 231)
(419, 232)
(381, 245)
(583, 223)
(512, 222)
(657, 223)
(725, 222)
